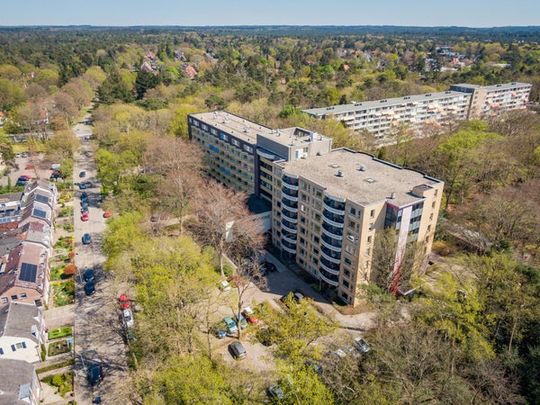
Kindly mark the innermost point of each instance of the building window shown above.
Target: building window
(346, 284)
(372, 214)
(429, 228)
(21, 345)
(352, 211)
(4, 300)
(369, 238)
(248, 148)
(345, 296)
(433, 204)
(13, 297)
(347, 261)
(316, 239)
(23, 295)
(347, 273)
(371, 226)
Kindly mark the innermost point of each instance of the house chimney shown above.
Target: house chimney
(392, 195)
(339, 173)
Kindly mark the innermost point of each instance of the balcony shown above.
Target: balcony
(331, 266)
(329, 278)
(291, 216)
(332, 222)
(288, 227)
(332, 231)
(288, 240)
(290, 204)
(329, 258)
(330, 243)
(290, 179)
(290, 186)
(289, 197)
(288, 247)
(333, 210)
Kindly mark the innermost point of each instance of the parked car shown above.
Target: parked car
(220, 333)
(82, 174)
(90, 288)
(86, 239)
(242, 322)
(250, 315)
(268, 267)
(107, 214)
(82, 186)
(344, 351)
(84, 196)
(275, 392)
(230, 325)
(361, 345)
(127, 318)
(85, 217)
(94, 374)
(237, 350)
(89, 184)
(89, 275)
(56, 166)
(296, 295)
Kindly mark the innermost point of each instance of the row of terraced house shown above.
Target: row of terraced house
(326, 205)
(26, 243)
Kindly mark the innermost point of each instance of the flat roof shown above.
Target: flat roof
(494, 86)
(295, 136)
(232, 124)
(374, 184)
(368, 105)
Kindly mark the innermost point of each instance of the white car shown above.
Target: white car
(224, 285)
(127, 318)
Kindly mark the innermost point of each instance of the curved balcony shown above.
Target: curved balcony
(332, 231)
(330, 266)
(338, 218)
(334, 198)
(288, 245)
(330, 245)
(331, 253)
(288, 239)
(333, 223)
(288, 226)
(329, 258)
(290, 186)
(291, 216)
(289, 197)
(291, 205)
(327, 280)
(290, 179)
(286, 249)
(333, 210)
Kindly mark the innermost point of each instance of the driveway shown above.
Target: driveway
(97, 326)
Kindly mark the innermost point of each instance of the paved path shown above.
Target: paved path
(97, 326)
(56, 317)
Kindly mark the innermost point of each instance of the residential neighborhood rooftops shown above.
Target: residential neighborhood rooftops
(360, 177)
(10, 197)
(19, 320)
(16, 381)
(368, 105)
(234, 125)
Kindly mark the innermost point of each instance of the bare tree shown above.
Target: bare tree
(223, 223)
(180, 165)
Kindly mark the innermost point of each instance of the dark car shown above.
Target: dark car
(82, 186)
(237, 350)
(89, 184)
(275, 392)
(268, 267)
(84, 196)
(84, 204)
(361, 345)
(86, 239)
(90, 288)
(94, 374)
(82, 174)
(89, 275)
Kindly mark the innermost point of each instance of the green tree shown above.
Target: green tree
(11, 94)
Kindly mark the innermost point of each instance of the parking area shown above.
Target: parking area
(32, 166)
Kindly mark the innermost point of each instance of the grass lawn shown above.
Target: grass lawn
(64, 382)
(60, 332)
(59, 347)
(64, 293)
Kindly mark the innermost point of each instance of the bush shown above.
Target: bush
(70, 270)
(60, 332)
(56, 366)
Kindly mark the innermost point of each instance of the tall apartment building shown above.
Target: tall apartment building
(240, 152)
(328, 209)
(382, 117)
(327, 205)
(461, 102)
(492, 100)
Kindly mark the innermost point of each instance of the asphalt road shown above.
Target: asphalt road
(97, 326)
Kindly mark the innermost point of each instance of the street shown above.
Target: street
(97, 326)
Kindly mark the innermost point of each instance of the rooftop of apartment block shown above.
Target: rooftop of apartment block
(295, 136)
(368, 105)
(239, 127)
(502, 86)
(17, 318)
(360, 177)
(15, 382)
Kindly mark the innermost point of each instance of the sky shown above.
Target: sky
(471, 13)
